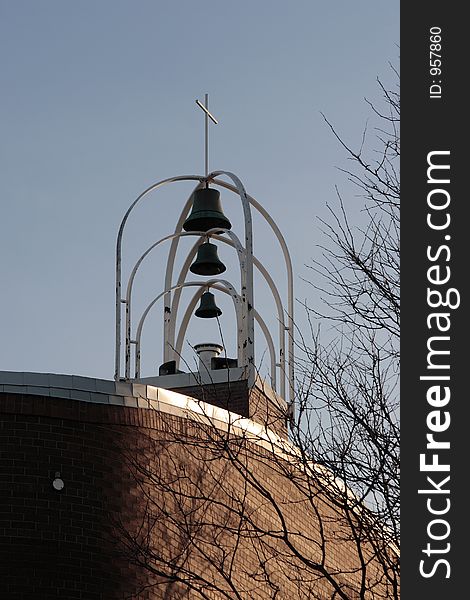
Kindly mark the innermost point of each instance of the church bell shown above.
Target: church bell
(208, 308)
(206, 212)
(207, 262)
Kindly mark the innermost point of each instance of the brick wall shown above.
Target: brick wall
(254, 403)
(57, 543)
(151, 497)
(231, 395)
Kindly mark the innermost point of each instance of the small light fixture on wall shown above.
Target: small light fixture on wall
(58, 483)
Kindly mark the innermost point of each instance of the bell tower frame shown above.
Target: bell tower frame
(282, 367)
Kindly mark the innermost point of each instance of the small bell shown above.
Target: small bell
(207, 262)
(206, 212)
(208, 308)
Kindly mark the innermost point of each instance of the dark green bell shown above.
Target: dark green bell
(208, 308)
(207, 262)
(207, 212)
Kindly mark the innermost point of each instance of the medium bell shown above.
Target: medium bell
(207, 212)
(208, 308)
(207, 262)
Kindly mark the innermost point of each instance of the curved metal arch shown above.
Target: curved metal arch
(290, 275)
(151, 188)
(264, 328)
(275, 292)
(130, 283)
(207, 284)
(169, 272)
(247, 275)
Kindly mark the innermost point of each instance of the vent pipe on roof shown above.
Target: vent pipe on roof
(206, 353)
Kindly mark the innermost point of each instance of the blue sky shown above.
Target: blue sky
(98, 102)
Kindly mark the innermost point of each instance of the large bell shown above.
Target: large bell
(207, 212)
(208, 308)
(207, 262)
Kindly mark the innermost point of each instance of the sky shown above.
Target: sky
(98, 103)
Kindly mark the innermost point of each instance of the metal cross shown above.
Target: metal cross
(205, 108)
